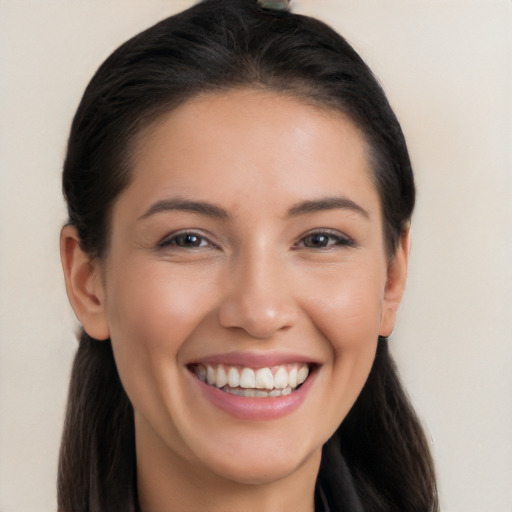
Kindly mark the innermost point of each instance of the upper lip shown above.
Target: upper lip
(255, 359)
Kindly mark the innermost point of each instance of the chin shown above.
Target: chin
(263, 467)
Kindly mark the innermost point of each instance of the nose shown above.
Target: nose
(258, 298)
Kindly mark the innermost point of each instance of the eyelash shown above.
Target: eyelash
(328, 240)
(331, 238)
(176, 238)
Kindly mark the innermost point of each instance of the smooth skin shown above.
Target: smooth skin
(251, 225)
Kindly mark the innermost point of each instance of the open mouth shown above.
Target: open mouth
(254, 382)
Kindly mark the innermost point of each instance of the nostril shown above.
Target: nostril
(258, 320)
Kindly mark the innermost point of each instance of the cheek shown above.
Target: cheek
(347, 314)
(348, 310)
(151, 316)
(157, 305)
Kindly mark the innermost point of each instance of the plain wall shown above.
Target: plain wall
(447, 69)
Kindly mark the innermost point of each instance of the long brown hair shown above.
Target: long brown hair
(378, 460)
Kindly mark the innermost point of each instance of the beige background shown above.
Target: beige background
(447, 68)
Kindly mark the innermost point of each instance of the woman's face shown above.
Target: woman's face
(246, 255)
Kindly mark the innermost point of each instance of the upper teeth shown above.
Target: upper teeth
(277, 377)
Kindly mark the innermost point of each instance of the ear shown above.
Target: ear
(84, 285)
(395, 284)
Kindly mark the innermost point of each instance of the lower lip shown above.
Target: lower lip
(249, 408)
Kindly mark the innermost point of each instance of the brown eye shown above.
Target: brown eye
(316, 241)
(324, 240)
(187, 240)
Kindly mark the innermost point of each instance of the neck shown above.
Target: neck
(169, 483)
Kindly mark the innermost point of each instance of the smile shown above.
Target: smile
(248, 382)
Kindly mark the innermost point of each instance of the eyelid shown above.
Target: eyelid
(170, 239)
(341, 238)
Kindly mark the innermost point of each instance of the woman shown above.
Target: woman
(239, 195)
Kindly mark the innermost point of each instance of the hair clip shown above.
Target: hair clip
(275, 5)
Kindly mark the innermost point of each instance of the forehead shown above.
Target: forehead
(242, 143)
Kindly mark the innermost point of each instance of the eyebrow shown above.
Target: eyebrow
(186, 205)
(217, 212)
(327, 203)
